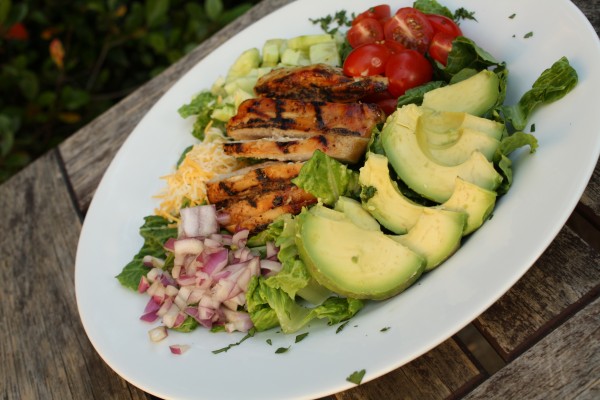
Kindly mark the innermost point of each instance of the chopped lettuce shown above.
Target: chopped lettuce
(202, 107)
(327, 179)
(466, 54)
(155, 231)
(553, 84)
(270, 307)
(503, 164)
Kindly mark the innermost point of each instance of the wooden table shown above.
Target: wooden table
(540, 340)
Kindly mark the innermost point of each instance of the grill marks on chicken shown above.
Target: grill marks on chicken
(299, 110)
(343, 148)
(318, 82)
(265, 117)
(254, 196)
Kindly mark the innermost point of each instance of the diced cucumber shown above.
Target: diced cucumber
(271, 54)
(305, 41)
(325, 52)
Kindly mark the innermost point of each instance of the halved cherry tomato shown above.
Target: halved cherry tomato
(393, 46)
(17, 32)
(367, 60)
(368, 30)
(406, 70)
(380, 12)
(440, 46)
(444, 24)
(410, 27)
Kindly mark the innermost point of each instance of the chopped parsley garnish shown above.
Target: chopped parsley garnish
(224, 349)
(387, 328)
(269, 342)
(463, 13)
(528, 35)
(301, 337)
(356, 377)
(332, 23)
(341, 327)
(282, 350)
(512, 16)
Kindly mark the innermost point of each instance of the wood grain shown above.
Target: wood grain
(567, 274)
(44, 350)
(442, 373)
(564, 365)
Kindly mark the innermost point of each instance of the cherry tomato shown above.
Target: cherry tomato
(367, 30)
(440, 23)
(17, 32)
(410, 27)
(440, 46)
(393, 46)
(367, 60)
(407, 70)
(380, 12)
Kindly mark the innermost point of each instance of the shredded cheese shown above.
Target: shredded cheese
(188, 183)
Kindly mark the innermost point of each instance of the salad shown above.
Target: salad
(197, 273)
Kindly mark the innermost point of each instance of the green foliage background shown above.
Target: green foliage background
(109, 48)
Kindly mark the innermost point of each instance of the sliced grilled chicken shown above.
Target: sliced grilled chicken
(348, 149)
(256, 178)
(265, 117)
(257, 210)
(319, 82)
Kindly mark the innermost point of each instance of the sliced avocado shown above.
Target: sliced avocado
(477, 202)
(475, 95)
(435, 236)
(246, 62)
(352, 261)
(422, 174)
(399, 214)
(356, 213)
(386, 203)
(460, 150)
(483, 125)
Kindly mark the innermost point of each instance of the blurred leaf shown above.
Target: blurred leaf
(73, 98)
(69, 117)
(233, 13)
(157, 41)
(29, 85)
(4, 10)
(155, 11)
(57, 53)
(16, 13)
(7, 135)
(213, 8)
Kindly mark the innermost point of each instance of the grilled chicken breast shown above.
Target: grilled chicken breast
(256, 178)
(347, 149)
(265, 117)
(257, 210)
(318, 82)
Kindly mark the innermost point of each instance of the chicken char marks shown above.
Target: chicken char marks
(254, 196)
(319, 82)
(298, 111)
(276, 118)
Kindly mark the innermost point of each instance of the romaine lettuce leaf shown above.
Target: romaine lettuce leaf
(265, 304)
(155, 231)
(327, 179)
(553, 84)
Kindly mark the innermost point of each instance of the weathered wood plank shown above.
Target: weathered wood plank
(564, 365)
(88, 153)
(590, 200)
(442, 373)
(44, 351)
(565, 277)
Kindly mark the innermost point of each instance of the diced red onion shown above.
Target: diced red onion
(154, 274)
(188, 246)
(171, 290)
(143, 285)
(180, 319)
(240, 238)
(272, 250)
(171, 316)
(216, 262)
(179, 349)
(164, 307)
(151, 306)
(237, 321)
(149, 317)
(270, 267)
(198, 221)
(157, 334)
(151, 261)
(223, 218)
